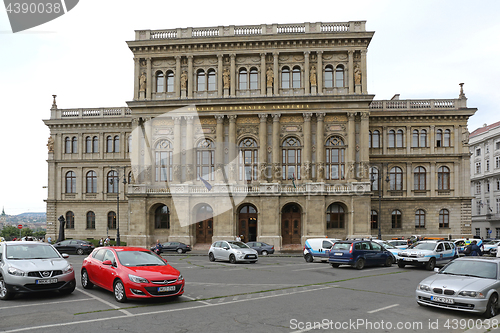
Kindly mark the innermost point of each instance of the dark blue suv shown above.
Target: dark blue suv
(360, 253)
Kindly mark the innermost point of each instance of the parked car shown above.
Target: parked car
(174, 246)
(389, 247)
(470, 284)
(77, 246)
(399, 243)
(131, 272)
(27, 267)
(428, 253)
(460, 245)
(491, 245)
(233, 251)
(359, 253)
(262, 248)
(318, 248)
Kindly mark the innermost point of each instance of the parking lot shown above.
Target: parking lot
(277, 294)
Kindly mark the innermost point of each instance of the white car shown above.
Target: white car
(488, 246)
(400, 244)
(318, 248)
(389, 247)
(428, 253)
(233, 251)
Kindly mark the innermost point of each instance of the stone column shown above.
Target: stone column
(178, 73)
(276, 148)
(364, 149)
(232, 81)
(432, 175)
(149, 78)
(190, 76)
(148, 162)
(385, 140)
(432, 142)
(263, 79)
(307, 84)
(351, 147)
(319, 71)
(350, 72)
(219, 148)
(263, 146)
(409, 179)
(190, 149)
(220, 71)
(232, 148)
(177, 150)
(306, 158)
(409, 139)
(276, 83)
(320, 146)
(363, 72)
(137, 74)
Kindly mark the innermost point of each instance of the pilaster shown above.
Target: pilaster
(351, 146)
(190, 176)
(320, 146)
(363, 72)
(306, 162)
(319, 71)
(263, 77)
(262, 146)
(137, 74)
(350, 71)
(190, 76)
(276, 84)
(276, 148)
(232, 82)
(178, 73)
(220, 70)
(307, 84)
(177, 150)
(149, 78)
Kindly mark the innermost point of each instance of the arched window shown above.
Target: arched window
(170, 81)
(328, 76)
(91, 182)
(67, 145)
(88, 144)
(396, 219)
(399, 139)
(160, 82)
(116, 144)
(374, 139)
(129, 144)
(70, 220)
(419, 179)
(335, 158)
(444, 218)
(70, 182)
(205, 159)
(392, 138)
(420, 218)
(415, 138)
(249, 159)
(129, 178)
(162, 217)
(285, 78)
(242, 78)
(90, 220)
(109, 144)
(374, 178)
(164, 160)
(446, 141)
(211, 80)
(423, 138)
(439, 138)
(113, 182)
(335, 217)
(254, 84)
(95, 144)
(201, 80)
(74, 145)
(396, 179)
(291, 158)
(443, 178)
(111, 220)
(339, 76)
(374, 219)
(296, 77)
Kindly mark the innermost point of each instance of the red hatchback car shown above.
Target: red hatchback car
(131, 272)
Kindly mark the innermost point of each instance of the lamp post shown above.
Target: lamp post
(379, 178)
(118, 201)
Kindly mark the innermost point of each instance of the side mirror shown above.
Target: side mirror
(107, 262)
(65, 255)
(436, 269)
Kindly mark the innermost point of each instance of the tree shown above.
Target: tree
(9, 232)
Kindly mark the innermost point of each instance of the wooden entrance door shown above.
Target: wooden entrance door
(247, 225)
(204, 227)
(291, 224)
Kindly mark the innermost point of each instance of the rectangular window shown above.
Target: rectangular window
(498, 184)
(478, 232)
(487, 165)
(478, 167)
(478, 207)
(497, 162)
(478, 151)
(488, 231)
(478, 188)
(498, 207)
(497, 233)
(497, 145)
(487, 187)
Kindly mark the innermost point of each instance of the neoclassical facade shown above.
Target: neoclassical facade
(264, 131)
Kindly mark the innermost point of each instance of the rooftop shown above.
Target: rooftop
(484, 129)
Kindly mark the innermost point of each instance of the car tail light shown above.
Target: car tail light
(304, 247)
(350, 248)
(273, 247)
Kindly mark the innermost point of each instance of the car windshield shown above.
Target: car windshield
(238, 245)
(474, 268)
(139, 258)
(423, 246)
(31, 251)
(388, 246)
(491, 243)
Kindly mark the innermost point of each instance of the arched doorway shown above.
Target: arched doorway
(247, 225)
(291, 224)
(205, 224)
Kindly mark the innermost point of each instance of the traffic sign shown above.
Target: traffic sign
(19, 226)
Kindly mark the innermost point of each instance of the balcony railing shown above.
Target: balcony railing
(412, 104)
(90, 113)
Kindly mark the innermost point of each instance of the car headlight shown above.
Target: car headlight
(68, 269)
(137, 279)
(400, 253)
(420, 255)
(474, 294)
(424, 287)
(239, 252)
(16, 272)
(180, 278)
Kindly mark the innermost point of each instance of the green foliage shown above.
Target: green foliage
(10, 232)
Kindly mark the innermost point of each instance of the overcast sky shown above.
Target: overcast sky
(420, 50)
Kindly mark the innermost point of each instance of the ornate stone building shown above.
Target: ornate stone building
(278, 122)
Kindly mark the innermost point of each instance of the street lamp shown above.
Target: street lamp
(372, 179)
(118, 200)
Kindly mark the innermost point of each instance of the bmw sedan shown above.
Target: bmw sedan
(27, 267)
(470, 284)
(131, 272)
(233, 251)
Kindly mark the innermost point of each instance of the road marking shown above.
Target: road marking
(46, 303)
(107, 318)
(385, 308)
(194, 299)
(114, 306)
(310, 269)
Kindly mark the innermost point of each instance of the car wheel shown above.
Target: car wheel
(86, 284)
(388, 262)
(119, 290)
(5, 294)
(69, 290)
(232, 259)
(431, 264)
(401, 264)
(264, 253)
(360, 263)
(492, 307)
(79, 251)
(211, 256)
(180, 251)
(308, 257)
(335, 265)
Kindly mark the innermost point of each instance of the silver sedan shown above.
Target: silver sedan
(469, 284)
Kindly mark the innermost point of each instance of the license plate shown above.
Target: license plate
(167, 288)
(251, 256)
(337, 254)
(442, 299)
(46, 281)
(407, 259)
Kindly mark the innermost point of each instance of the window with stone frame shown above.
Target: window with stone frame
(420, 218)
(444, 218)
(67, 145)
(498, 207)
(396, 179)
(248, 159)
(70, 182)
(109, 144)
(339, 76)
(447, 138)
(90, 220)
(70, 220)
(291, 158)
(212, 80)
(162, 217)
(374, 178)
(399, 139)
(88, 144)
(396, 219)
(243, 79)
(478, 167)
(374, 219)
(478, 188)
(205, 159)
(487, 167)
(116, 144)
(335, 158)
(443, 178)
(335, 217)
(285, 78)
(254, 78)
(200, 80)
(74, 145)
(375, 139)
(160, 82)
(328, 77)
(392, 138)
(95, 144)
(164, 161)
(111, 220)
(497, 162)
(439, 138)
(419, 179)
(170, 82)
(296, 77)
(113, 181)
(91, 180)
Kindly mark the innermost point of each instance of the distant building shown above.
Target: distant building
(485, 180)
(3, 218)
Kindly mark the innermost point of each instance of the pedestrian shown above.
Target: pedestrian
(238, 238)
(467, 241)
(106, 242)
(242, 238)
(475, 250)
(101, 242)
(49, 240)
(158, 248)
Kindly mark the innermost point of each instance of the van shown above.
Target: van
(318, 248)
